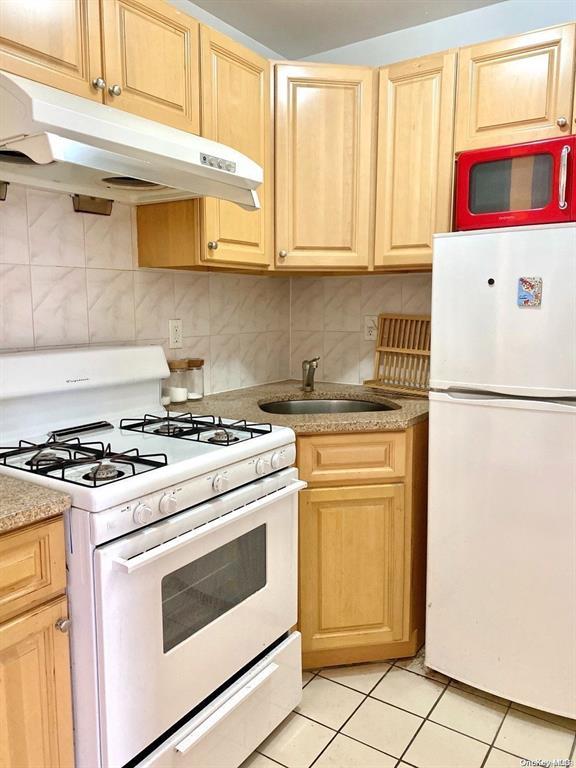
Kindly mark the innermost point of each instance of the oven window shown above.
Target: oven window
(517, 184)
(200, 592)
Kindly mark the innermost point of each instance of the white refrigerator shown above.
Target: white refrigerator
(501, 587)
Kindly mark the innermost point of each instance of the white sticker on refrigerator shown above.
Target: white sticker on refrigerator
(529, 291)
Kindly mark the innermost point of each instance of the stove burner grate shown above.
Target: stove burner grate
(203, 429)
(57, 457)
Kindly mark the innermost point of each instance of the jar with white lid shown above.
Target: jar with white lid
(195, 378)
(178, 381)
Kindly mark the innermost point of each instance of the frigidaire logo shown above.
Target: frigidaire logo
(75, 381)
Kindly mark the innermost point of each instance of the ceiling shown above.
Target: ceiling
(298, 28)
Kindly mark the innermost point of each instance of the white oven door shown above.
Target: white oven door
(182, 608)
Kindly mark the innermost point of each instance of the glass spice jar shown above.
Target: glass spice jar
(195, 378)
(178, 381)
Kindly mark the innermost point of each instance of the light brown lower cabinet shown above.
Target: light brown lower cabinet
(363, 553)
(35, 690)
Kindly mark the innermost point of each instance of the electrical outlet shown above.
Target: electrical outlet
(175, 333)
(370, 327)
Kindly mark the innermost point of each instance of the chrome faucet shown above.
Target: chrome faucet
(308, 370)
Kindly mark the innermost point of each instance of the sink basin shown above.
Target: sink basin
(336, 405)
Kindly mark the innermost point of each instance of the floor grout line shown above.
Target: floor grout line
(277, 762)
(339, 731)
(407, 747)
(539, 716)
(446, 685)
(493, 742)
(573, 750)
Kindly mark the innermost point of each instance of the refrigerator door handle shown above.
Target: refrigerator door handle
(562, 204)
(486, 398)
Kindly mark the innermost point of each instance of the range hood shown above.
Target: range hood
(54, 140)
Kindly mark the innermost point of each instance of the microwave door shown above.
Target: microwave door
(516, 185)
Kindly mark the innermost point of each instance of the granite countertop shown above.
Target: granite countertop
(23, 503)
(244, 404)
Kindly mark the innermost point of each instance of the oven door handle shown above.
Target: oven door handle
(213, 720)
(173, 545)
(562, 204)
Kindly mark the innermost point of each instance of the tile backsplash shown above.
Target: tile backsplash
(70, 279)
(327, 319)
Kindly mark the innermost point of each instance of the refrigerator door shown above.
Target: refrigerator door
(482, 339)
(501, 590)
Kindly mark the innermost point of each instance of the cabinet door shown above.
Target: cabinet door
(352, 580)
(515, 90)
(53, 42)
(236, 111)
(35, 698)
(151, 53)
(324, 159)
(415, 160)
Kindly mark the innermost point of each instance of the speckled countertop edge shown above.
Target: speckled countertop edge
(23, 503)
(244, 404)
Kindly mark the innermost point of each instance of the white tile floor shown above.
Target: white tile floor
(403, 715)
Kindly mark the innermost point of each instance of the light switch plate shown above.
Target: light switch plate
(175, 333)
(370, 327)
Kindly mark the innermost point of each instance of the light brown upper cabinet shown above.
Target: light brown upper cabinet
(515, 90)
(415, 159)
(137, 55)
(324, 166)
(236, 111)
(53, 42)
(151, 61)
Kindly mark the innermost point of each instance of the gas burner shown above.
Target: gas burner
(104, 471)
(168, 429)
(43, 457)
(81, 463)
(222, 437)
(202, 429)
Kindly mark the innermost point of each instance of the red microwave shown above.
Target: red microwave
(516, 185)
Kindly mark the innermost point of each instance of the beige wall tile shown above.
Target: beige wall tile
(110, 305)
(60, 305)
(16, 329)
(56, 232)
(14, 227)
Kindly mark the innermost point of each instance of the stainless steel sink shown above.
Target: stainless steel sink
(333, 405)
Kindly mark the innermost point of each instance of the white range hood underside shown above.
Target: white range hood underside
(54, 140)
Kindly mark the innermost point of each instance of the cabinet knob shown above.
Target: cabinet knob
(213, 245)
(562, 122)
(63, 625)
(115, 90)
(282, 254)
(99, 83)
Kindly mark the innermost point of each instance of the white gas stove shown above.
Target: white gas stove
(181, 553)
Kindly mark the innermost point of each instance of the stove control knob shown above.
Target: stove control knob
(219, 483)
(275, 460)
(262, 467)
(168, 504)
(142, 514)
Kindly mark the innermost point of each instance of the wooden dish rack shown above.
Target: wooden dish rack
(402, 361)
